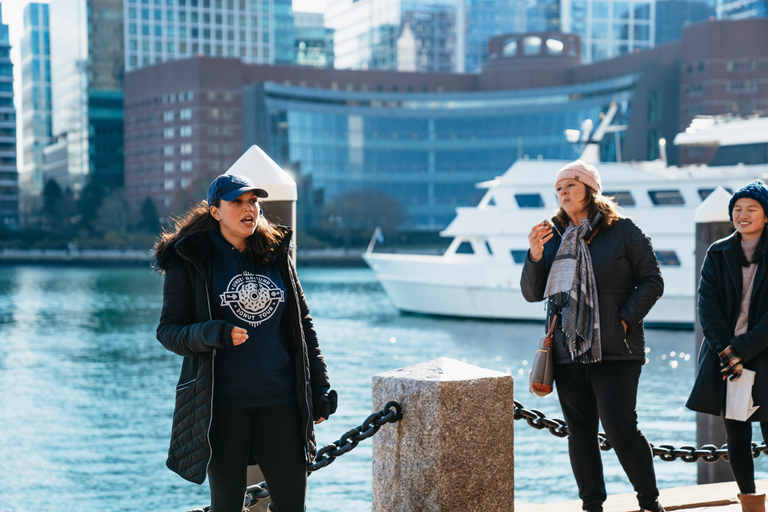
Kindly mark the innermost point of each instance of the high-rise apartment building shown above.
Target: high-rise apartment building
(609, 28)
(673, 15)
(87, 70)
(9, 176)
(35, 95)
(419, 35)
(542, 16)
(741, 9)
(313, 40)
(254, 31)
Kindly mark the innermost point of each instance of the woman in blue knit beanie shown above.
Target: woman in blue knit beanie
(733, 311)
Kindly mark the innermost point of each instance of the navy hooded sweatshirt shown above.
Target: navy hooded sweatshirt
(258, 372)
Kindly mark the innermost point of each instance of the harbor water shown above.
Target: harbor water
(87, 392)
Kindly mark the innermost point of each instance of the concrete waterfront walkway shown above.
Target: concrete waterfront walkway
(719, 497)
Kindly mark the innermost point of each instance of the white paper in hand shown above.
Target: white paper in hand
(738, 401)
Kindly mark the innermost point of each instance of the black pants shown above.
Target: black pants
(738, 435)
(610, 395)
(274, 434)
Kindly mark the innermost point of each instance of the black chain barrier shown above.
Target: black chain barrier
(391, 413)
(666, 452)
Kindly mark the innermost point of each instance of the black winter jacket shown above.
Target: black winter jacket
(188, 329)
(628, 283)
(720, 292)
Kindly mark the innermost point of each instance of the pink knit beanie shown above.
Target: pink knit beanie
(583, 172)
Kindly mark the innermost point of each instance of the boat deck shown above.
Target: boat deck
(720, 497)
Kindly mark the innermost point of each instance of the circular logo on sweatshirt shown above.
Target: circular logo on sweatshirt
(252, 297)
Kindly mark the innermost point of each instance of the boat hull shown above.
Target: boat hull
(430, 285)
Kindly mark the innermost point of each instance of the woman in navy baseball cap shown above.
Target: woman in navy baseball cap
(253, 380)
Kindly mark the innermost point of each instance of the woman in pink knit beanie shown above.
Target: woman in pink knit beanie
(599, 274)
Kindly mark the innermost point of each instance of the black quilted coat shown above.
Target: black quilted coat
(188, 329)
(628, 283)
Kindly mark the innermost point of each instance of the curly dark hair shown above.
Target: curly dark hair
(260, 247)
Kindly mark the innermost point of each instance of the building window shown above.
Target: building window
(185, 165)
(168, 150)
(185, 149)
(168, 133)
(168, 116)
(169, 184)
(185, 131)
(185, 113)
(168, 167)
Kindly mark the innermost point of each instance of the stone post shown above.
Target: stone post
(454, 448)
(712, 223)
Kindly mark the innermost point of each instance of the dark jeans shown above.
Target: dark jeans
(610, 395)
(738, 435)
(274, 435)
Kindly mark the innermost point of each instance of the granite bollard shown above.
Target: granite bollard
(453, 450)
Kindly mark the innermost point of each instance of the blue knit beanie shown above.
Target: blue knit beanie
(755, 190)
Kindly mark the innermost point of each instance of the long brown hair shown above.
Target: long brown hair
(595, 203)
(260, 246)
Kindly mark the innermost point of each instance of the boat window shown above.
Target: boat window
(465, 248)
(519, 255)
(704, 192)
(666, 197)
(529, 200)
(668, 258)
(622, 197)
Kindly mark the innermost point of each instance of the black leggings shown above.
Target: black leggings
(610, 395)
(739, 438)
(274, 435)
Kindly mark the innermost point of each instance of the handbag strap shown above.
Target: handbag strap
(592, 235)
(552, 329)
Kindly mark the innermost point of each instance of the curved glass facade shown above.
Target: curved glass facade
(426, 150)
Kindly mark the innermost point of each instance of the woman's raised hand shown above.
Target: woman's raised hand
(539, 235)
(239, 335)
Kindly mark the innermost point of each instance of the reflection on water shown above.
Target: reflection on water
(87, 391)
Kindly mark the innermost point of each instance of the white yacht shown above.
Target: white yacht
(479, 274)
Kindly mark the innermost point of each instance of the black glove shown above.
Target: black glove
(731, 363)
(324, 405)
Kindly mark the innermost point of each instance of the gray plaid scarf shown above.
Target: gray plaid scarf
(571, 287)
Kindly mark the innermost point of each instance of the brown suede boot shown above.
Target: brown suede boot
(752, 502)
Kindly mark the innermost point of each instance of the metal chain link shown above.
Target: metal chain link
(391, 413)
(665, 452)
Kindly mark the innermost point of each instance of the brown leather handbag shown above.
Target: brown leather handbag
(543, 370)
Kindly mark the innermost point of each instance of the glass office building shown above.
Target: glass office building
(419, 35)
(36, 95)
(427, 151)
(9, 176)
(255, 31)
(87, 69)
(312, 41)
(609, 28)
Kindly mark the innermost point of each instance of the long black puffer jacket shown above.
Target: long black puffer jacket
(188, 329)
(628, 283)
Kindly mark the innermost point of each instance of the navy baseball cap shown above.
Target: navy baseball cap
(232, 186)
